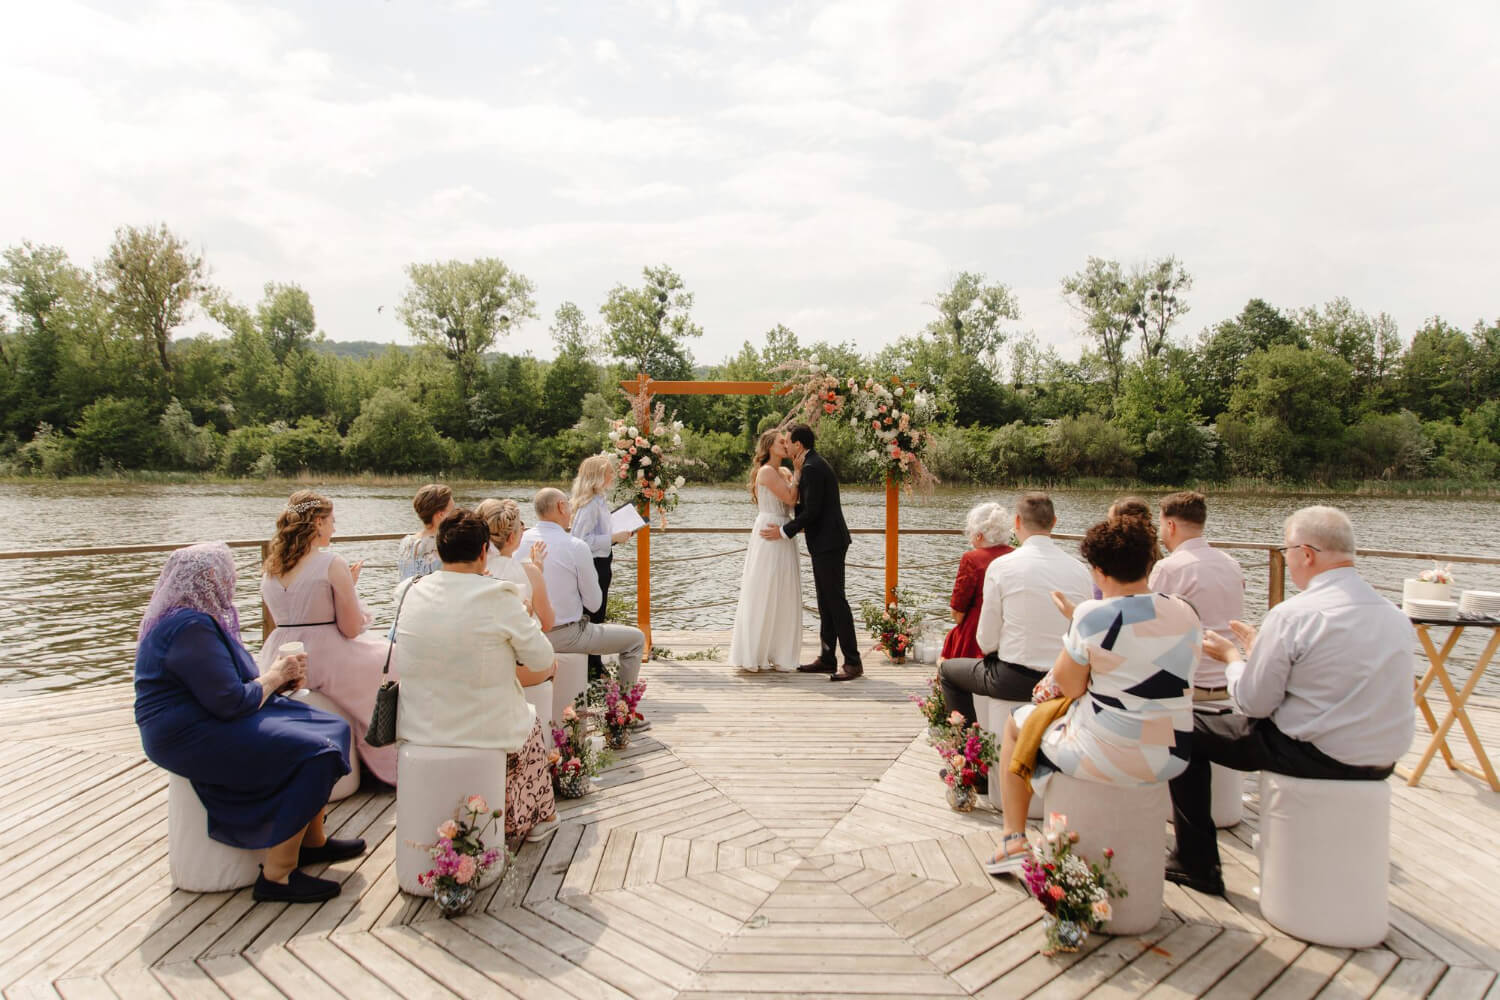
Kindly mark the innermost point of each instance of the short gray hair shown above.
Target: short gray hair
(990, 521)
(546, 500)
(1327, 528)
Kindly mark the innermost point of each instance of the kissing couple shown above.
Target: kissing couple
(801, 500)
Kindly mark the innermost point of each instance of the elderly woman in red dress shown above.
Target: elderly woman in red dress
(988, 528)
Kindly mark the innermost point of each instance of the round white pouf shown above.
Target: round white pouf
(431, 782)
(1228, 790)
(199, 863)
(539, 697)
(1325, 859)
(349, 783)
(571, 681)
(998, 712)
(1133, 821)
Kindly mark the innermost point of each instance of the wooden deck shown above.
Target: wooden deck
(776, 835)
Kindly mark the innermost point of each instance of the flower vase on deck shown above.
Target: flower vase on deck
(961, 798)
(617, 739)
(453, 900)
(573, 785)
(1062, 935)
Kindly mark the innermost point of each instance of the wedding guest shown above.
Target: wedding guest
(503, 518)
(261, 763)
(1129, 507)
(310, 598)
(1127, 664)
(1019, 630)
(987, 528)
(462, 638)
(591, 522)
(1322, 691)
(1207, 578)
(418, 552)
(573, 590)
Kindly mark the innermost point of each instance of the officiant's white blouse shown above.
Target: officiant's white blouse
(591, 524)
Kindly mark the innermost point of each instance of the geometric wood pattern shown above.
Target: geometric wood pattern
(772, 835)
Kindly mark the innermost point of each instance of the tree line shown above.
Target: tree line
(97, 376)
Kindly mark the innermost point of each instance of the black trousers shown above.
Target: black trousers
(605, 568)
(1246, 745)
(836, 621)
(963, 678)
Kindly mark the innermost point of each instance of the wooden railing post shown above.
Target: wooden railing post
(1276, 579)
(643, 576)
(265, 612)
(892, 537)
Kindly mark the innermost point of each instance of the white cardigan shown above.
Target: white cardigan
(458, 638)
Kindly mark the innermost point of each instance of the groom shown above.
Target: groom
(821, 517)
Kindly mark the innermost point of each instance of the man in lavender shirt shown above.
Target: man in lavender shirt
(1207, 578)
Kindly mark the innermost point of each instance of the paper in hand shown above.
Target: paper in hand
(626, 518)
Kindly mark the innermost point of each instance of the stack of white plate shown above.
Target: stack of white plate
(1485, 603)
(1440, 610)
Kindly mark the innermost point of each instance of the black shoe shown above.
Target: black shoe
(1210, 883)
(299, 888)
(818, 667)
(330, 850)
(849, 674)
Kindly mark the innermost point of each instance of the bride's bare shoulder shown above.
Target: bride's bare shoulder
(767, 474)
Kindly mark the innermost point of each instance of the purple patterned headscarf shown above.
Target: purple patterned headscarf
(200, 577)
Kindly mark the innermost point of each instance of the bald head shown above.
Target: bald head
(552, 505)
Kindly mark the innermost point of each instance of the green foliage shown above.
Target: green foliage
(1388, 446)
(1089, 446)
(115, 433)
(716, 456)
(185, 445)
(286, 319)
(243, 448)
(392, 434)
(647, 327)
(461, 307)
(48, 453)
(149, 278)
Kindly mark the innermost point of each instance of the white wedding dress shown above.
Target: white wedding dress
(768, 622)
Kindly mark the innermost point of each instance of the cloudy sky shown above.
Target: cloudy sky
(829, 166)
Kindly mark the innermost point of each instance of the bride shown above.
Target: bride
(768, 622)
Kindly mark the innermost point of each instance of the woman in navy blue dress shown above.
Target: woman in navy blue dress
(262, 764)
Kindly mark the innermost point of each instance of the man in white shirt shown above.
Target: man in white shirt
(1325, 693)
(573, 589)
(1207, 578)
(1020, 629)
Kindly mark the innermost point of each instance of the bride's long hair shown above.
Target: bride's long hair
(762, 456)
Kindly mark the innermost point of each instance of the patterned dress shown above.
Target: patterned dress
(1134, 725)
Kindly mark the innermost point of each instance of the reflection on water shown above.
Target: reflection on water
(71, 622)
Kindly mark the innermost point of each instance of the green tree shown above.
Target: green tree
(1369, 345)
(151, 279)
(571, 376)
(461, 307)
(286, 319)
(36, 281)
(1158, 292)
(647, 328)
(1223, 348)
(1298, 390)
(116, 433)
(1110, 305)
(391, 435)
(1436, 376)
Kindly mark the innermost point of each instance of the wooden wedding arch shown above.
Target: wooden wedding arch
(644, 384)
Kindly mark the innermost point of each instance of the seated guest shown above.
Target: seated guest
(309, 596)
(573, 590)
(1019, 631)
(503, 518)
(1325, 693)
(987, 528)
(417, 553)
(1129, 507)
(1127, 664)
(1207, 578)
(261, 763)
(461, 639)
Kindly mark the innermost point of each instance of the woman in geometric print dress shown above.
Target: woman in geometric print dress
(1127, 661)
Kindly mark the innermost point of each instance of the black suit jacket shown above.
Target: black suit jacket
(818, 511)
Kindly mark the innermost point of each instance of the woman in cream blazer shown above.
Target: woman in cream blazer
(459, 637)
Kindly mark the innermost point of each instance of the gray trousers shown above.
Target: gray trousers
(584, 636)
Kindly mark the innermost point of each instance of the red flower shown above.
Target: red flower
(1109, 852)
(827, 407)
(1056, 892)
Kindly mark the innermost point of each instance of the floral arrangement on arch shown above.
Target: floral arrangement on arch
(968, 753)
(890, 417)
(894, 626)
(648, 447)
(1074, 891)
(459, 857)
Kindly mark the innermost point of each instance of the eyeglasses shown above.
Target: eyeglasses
(1299, 545)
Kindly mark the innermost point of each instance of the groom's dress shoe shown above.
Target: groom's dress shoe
(849, 674)
(818, 667)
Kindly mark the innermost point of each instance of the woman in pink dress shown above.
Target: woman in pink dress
(309, 592)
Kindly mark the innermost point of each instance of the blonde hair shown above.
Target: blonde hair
(596, 474)
(503, 518)
(762, 456)
(296, 530)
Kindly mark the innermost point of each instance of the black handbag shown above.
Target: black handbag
(382, 731)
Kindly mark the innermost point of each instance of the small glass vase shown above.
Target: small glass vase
(1062, 935)
(617, 739)
(453, 900)
(961, 798)
(573, 785)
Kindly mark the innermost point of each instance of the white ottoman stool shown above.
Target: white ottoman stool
(1325, 859)
(999, 711)
(430, 784)
(1228, 802)
(198, 863)
(571, 681)
(1133, 821)
(539, 696)
(349, 783)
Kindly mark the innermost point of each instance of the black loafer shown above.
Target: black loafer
(299, 888)
(331, 850)
(1209, 883)
(817, 667)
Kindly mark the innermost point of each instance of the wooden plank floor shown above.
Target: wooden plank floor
(773, 835)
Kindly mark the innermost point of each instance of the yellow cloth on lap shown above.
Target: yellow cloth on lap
(1029, 739)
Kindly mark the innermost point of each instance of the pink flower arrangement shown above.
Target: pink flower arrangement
(459, 856)
(647, 446)
(968, 753)
(932, 708)
(621, 708)
(1069, 887)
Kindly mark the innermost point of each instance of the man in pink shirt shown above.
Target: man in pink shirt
(1208, 579)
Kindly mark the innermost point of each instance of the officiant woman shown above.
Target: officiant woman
(591, 523)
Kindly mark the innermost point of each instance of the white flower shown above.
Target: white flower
(645, 459)
(900, 391)
(815, 360)
(678, 482)
(635, 432)
(676, 440)
(656, 482)
(872, 453)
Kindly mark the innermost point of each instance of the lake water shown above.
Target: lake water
(71, 622)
